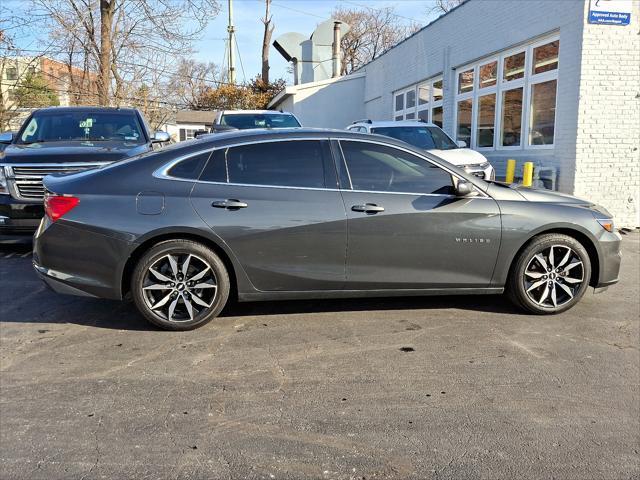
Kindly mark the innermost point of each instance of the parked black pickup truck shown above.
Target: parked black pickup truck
(62, 140)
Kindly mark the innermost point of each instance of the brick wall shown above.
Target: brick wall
(608, 127)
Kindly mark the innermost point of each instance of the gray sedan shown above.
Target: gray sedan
(266, 215)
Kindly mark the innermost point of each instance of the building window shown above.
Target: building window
(485, 126)
(410, 98)
(511, 118)
(463, 127)
(405, 104)
(422, 101)
(488, 74)
(516, 111)
(187, 134)
(513, 67)
(545, 57)
(543, 113)
(436, 116)
(399, 102)
(12, 73)
(465, 81)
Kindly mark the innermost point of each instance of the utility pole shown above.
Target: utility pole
(232, 42)
(266, 42)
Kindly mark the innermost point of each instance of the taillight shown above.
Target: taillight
(56, 206)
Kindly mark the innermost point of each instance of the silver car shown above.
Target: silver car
(301, 213)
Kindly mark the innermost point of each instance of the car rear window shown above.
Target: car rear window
(243, 121)
(428, 138)
(191, 167)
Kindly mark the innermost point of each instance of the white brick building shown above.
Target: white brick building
(526, 79)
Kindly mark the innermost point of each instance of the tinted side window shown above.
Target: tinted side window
(190, 168)
(295, 163)
(216, 169)
(380, 168)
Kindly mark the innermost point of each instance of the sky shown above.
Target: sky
(288, 16)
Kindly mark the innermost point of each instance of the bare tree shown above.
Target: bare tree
(127, 41)
(373, 31)
(266, 41)
(444, 6)
(192, 80)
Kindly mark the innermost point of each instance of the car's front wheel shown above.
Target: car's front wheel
(550, 275)
(180, 285)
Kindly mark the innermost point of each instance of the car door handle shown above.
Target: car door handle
(368, 208)
(229, 204)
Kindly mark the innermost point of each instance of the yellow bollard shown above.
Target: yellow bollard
(511, 170)
(527, 174)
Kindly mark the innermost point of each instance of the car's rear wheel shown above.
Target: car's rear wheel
(550, 275)
(180, 285)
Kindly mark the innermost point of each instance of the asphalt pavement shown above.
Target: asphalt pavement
(439, 387)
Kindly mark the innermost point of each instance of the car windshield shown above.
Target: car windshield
(244, 121)
(429, 138)
(87, 125)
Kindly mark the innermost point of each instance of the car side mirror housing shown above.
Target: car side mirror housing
(462, 144)
(465, 189)
(160, 137)
(6, 137)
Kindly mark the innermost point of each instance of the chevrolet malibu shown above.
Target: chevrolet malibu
(301, 213)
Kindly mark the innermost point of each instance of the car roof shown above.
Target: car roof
(259, 134)
(85, 108)
(265, 112)
(392, 123)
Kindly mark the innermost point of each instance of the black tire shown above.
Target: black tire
(188, 306)
(558, 289)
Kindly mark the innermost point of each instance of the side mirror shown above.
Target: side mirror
(197, 133)
(159, 137)
(6, 137)
(465, 189)
(462, 143)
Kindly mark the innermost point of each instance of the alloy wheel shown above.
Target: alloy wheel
(179, 287)
(553, 276)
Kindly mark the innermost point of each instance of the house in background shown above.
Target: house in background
(188, 122)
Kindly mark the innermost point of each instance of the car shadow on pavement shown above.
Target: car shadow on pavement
(481, 303)
(28, 300)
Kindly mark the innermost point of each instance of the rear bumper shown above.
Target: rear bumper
(56, 281)
(76, 261)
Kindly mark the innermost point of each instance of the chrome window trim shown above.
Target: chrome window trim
(451, 172)
(344, 162)
(54, 165)
(161, 172)
(230, 184)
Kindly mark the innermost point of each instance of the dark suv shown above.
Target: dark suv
(62, 140)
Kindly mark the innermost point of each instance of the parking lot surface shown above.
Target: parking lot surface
(449, 387)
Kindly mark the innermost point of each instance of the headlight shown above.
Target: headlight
(607, 224)
(4, 188)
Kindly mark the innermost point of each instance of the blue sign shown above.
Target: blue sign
(610, 12)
